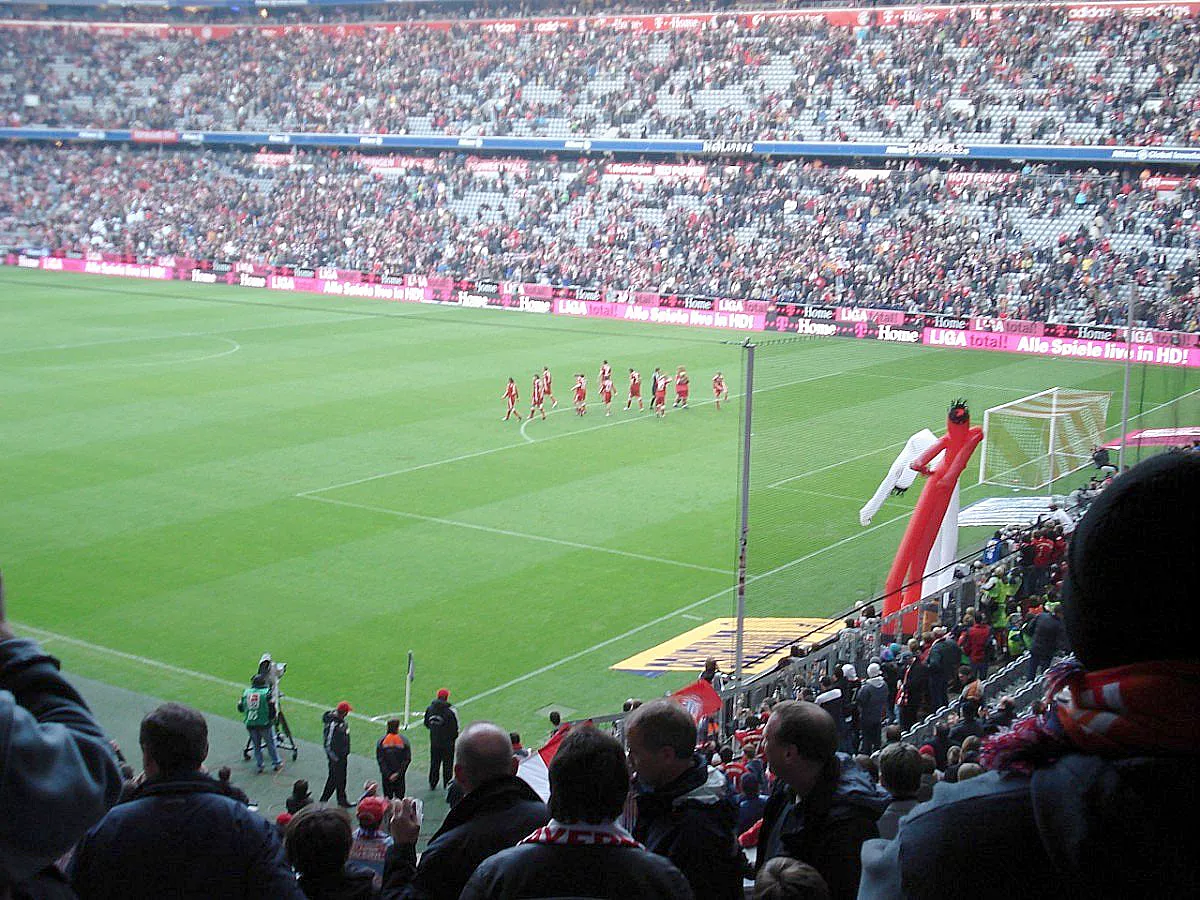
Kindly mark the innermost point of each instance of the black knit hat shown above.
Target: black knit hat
(1132, 577)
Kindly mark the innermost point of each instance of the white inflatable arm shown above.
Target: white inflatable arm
(899, 475)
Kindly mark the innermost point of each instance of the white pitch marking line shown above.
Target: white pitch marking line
(515, 534)
(166, 667)
(529, 419)
(679, 612)
(792, 490)
(465, 456)
(834, 465)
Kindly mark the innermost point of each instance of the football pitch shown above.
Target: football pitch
(193, 475)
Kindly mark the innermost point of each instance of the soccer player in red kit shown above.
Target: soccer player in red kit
(605, 371)
(511, 395)
(548, 386)
(659, 384)
(635, 389)
(681, 388)
(537, 396)
(606, 393)
(719, 390)
(580, 394)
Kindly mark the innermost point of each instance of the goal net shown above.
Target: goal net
(1032, 442)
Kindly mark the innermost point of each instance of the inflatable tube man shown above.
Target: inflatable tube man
(904, 583)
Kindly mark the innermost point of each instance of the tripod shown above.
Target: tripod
(284, 741)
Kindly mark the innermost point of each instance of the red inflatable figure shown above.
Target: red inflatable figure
(903, 588)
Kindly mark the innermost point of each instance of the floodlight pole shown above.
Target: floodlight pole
(745, 523)
(1128, 368)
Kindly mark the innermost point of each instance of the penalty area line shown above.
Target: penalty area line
(575, 545)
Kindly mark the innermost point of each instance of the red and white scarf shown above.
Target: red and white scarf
(581, 834)
(1145, 709)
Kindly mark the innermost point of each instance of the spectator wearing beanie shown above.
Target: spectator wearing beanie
(871, 700)
(1098, 796)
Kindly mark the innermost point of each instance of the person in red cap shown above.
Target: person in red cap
(442, 723)
(337, 752)
(371, 838)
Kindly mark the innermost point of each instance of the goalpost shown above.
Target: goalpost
(1032, 442)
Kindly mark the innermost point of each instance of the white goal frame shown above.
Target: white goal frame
(1053, 405)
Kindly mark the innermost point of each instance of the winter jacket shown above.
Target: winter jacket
(543, 871)
(336, 737)
(872, 701)
(442, 723)
(1084, 826)
(394, 754)
(691, 822)
(180, 837)
(827, 828)
(944, 660)
(975, 641)
(493, 817)
(59, 774)
(1048, 635)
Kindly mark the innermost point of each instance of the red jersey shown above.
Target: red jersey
(510, 393)
(537, 393)
(605, 372)
(718, 385)
(635, 384)
(580, 389)
(606, 389)
(681, 385)
(660, 384)
(546, 381)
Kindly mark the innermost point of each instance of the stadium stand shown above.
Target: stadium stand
(1031, 243)
(1028, 74)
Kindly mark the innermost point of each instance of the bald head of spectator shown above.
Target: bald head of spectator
(482, 753)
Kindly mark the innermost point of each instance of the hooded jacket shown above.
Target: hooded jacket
(691, 822)
(827, 828)
(442, 723)
(1084, 826)
(872, 701)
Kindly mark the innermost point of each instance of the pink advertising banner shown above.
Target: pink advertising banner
(635, 312)
(1073, 348)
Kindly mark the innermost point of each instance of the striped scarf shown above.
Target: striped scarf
(1143, 709)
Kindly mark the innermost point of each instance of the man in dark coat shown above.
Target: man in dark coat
(582, 851)
(943, 661)
(1096, 797)
(497, 810)
(685, 810)
(824, 806)
(180, 836)
(337, 752)
(1047, 637)
(59, 776)
(393, 753)
(442, 723)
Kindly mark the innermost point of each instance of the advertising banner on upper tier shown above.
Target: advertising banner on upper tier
(635, 312)
(1108, 351)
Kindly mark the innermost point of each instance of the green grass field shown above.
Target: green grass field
(193, 475)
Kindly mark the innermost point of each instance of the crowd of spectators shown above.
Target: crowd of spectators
(1103, 764)
(1030, 74)
(1034, 244)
